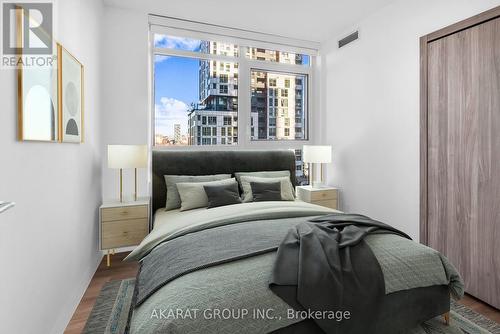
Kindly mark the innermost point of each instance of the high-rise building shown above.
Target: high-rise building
(177, 133)
(276, 98)
(277, 111)
(214, 121)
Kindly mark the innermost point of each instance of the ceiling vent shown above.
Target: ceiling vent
(348, 39)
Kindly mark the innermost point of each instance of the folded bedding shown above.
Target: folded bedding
(222, 258)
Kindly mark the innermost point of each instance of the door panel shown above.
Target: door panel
(463, 155)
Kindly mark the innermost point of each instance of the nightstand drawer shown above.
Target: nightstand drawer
(321, 195)
(123, 233)
(329, 203)
(124, 212)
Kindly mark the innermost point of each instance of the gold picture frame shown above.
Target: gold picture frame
(71, 97)
(37, 106)
(50, 104)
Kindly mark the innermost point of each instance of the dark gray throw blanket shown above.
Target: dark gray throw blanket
(325, 265)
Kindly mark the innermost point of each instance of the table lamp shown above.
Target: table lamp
(316, 154)
(127, 156)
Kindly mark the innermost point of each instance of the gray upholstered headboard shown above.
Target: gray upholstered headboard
(214, 162)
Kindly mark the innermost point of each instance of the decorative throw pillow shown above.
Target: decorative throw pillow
(193, 194)
(173, 198)
(266, 191)
(267, 174)
(286, 187)
(220, 195)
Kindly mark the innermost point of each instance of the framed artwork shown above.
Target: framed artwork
(38, 111)
(38, 104)
(70, 97)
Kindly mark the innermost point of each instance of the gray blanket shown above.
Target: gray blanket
(324, 265)
(206, 248)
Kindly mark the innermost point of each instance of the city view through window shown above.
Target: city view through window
(196, 99)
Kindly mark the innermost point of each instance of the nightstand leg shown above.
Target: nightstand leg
(446, 317)
(108, 261)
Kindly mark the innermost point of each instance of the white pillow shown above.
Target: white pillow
(193, 194)
(286, 186)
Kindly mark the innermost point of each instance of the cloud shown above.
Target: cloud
(168, 112)
(160, 58)
(173, 42)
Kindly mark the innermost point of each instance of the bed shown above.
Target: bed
(192, 280)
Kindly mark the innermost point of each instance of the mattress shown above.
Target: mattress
(416, 276)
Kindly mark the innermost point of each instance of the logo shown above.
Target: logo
(27, 29)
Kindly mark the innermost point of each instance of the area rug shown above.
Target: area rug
(111, 310)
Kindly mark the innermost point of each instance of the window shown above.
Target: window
(290, 115)
(278, 56)
(207, 131)
(185, 93)
(195, 45)
(196, 88)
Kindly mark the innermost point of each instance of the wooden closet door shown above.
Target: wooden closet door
(463, 155)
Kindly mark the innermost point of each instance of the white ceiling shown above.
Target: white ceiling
(314, 20)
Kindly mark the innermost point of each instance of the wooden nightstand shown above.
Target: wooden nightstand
(123, 224)
(325, 196)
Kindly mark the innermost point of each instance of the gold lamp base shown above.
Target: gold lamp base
(316, 184)
(121, 185)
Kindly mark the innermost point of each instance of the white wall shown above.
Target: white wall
(372, 107)
(124, 92)
(49, 241)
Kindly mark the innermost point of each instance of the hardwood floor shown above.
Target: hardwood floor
(122, 270)
(481, 308)
(118, 270)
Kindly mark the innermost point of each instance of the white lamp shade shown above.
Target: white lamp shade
(317, 154)
(127, 156)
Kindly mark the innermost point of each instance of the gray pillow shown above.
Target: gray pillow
(173, 199)
(279, 173)
(266, 191)
(193, 193)
(220, 195)
(286, 187)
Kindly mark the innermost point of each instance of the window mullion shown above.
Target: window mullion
(243, 100)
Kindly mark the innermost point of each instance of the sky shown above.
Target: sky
(176, 84)
(176, 87)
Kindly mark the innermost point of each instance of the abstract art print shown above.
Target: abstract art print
(37, 86)
(70, 97)
(38, 103)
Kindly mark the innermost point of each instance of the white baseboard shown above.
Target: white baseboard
(70, 307)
